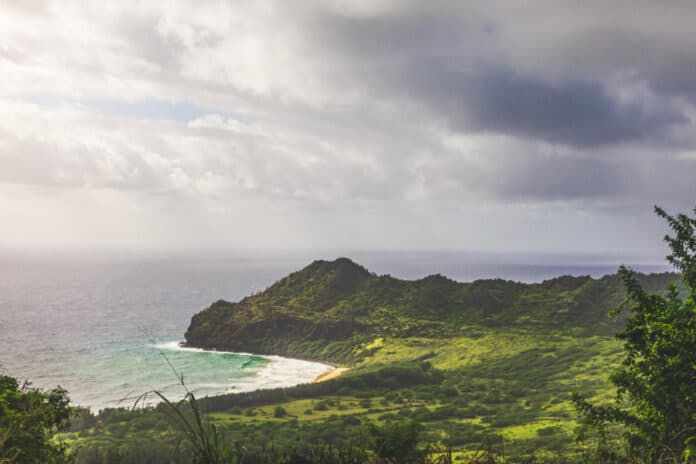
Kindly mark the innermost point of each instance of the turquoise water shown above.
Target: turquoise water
(100, 327)
(120, 377)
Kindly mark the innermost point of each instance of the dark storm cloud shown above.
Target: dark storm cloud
(576, 113)
(456, 69)
(651, 44)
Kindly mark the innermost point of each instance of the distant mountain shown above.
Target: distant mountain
(327, 309)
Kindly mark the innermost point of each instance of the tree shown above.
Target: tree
(279, 412)
(397, 442)
(28, 420)
(656, 380)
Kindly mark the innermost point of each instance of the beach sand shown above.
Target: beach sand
(330, 375)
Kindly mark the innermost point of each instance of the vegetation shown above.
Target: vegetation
(338, 311)
(398, 442)
(28, 420)
(489, 369)
(655, 402)
(205, 440)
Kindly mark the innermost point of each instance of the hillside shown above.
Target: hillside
(491, 363)
(329, 308)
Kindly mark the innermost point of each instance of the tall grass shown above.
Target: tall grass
(205, 439)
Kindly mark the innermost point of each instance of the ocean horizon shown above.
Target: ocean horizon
(99, 326)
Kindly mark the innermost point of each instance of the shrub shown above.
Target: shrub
(545, 431)
(655, 403)
(28, 419)
(321, 406)
(397, 442)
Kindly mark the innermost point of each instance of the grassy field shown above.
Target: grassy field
(508, 387)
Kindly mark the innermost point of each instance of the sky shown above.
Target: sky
(499, 126)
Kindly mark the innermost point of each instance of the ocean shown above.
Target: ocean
(101, 327)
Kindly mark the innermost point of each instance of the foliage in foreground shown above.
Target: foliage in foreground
(28, 419)
(656, 380)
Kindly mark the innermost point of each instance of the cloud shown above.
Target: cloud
(147, 109)
(451, 65)
(380, 112)
(575, 113)
(148, 38)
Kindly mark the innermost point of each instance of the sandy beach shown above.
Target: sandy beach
(330, 375)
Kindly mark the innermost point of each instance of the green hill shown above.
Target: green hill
(329, 308)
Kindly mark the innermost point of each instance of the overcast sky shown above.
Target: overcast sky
(243, 125)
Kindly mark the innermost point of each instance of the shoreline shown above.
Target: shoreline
(329, 375)
(332, 372)
(187, 346)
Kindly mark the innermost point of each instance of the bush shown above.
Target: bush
(546, 431)
(236, 410)
(321, 406)
(28, 419)
(279, 412)
(655, 403)
(397, 442)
